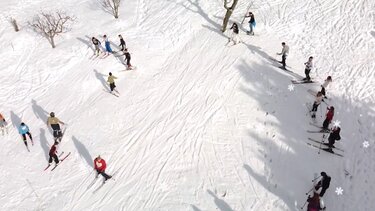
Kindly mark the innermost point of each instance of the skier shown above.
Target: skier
(308, 67)
(323, 183)
(325, 84)
(111, 81)
(318, 100)
(107, 45)
(284, 53)
(3, 124)
(122, 43)
(252, 23)
(23, 130)
(96, 43)
(53, 154)
(315, 203)
(100, 166)
(54, 122)
(235, 32)
(127, 58)
(329, 117)
(333, 137)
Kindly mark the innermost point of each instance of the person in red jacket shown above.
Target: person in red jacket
(329, 117)
(100, 167)
(53, 154)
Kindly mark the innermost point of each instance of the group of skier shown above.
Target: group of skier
(235, 38)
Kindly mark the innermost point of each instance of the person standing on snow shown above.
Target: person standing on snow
(53, 154)
(122, 43)
(314, 203)
(284, 53)
(127, 59)
(235, 35)
(111, 81)
(54, 122)
(325, 85)
(107, 45)
(329, 117)
(96, 43)
(318, 100)
(323, 183)
(333, 137)
(100, 166)
(252, 23)
(23, 130)
(308, 67)
(3, 124)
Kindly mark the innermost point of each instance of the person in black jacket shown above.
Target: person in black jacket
(333, 136)
(235, 32)
(122, 42)
(251, 23)
(323, 183)
(127, 59)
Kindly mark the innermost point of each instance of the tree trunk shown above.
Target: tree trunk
(228, 13)
(52, 41)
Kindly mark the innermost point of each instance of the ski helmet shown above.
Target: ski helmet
(52, 114)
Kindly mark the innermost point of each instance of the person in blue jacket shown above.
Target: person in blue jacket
(23, 130)
(107, 44)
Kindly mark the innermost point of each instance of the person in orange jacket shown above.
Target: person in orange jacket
(100, 166)
(3, 124)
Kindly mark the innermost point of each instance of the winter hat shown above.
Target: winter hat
(52, 114)
(110, 73)
(22, 123)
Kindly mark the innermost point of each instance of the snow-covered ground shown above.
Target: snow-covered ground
(199, 125)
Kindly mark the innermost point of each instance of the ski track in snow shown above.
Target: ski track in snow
(198, 125)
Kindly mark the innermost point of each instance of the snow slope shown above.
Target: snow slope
(200, 124)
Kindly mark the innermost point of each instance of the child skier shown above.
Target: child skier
(107, 45)
(3, 124)
(325, 85)
(284, 53)
(235, 32)
(54, 122)
(318, 100)
(329, 117)
(127, 59)
(323, 183)
(111, 81)
(96, 43)
(308, 67)
(252, 23)
(333, 137)
(100, 166)
(53, 154)
(23, 130)
(122, 43)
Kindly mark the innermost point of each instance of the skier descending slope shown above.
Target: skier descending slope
(3, 124)
(107, 45)
(54, 122)
(24, 130)
(252, 23)
(308, 67)
(122, 43)
(333, 136)
(111, 81)
(96, 43)
(100, 166)
(284, 53)
(53, 155)
(318, 100)
(128, 58)
(234, 37)
(325, 85)
(329, 117)
(323, 183)
(315, 203)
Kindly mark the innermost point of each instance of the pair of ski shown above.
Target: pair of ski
(302, 82)
(325, 149)
(112, 93)
(61, 159)
(325, 144)
(322, 130)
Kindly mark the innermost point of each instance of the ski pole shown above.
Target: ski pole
(320, 145)
(310, 190)
(303, 205)
(316, 179)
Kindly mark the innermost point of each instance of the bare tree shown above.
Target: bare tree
(52, 24)
(111, 6)
(14, 24)
(228, 13)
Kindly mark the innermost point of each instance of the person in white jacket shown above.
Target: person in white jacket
(308, 66)
(325, 85)
(284, 53)
(318, 100)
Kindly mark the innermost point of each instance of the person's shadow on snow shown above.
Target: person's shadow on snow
(221, 204)
(101, 78)
(44, 143)
(83, 152)
(16, 120)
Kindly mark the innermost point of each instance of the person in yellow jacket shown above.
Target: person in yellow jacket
(111, 81)
(54, 122)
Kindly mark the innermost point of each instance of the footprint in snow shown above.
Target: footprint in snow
(372, 33)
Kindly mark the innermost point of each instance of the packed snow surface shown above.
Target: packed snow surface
(199, 124)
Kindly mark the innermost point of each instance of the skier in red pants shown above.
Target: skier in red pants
(53, 154)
